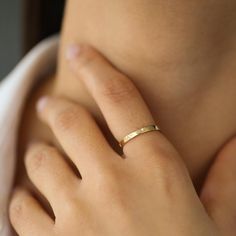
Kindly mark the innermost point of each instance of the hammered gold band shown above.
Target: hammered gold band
(135, 133)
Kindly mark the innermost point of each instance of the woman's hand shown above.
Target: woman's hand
(148, 191)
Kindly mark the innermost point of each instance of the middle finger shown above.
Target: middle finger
(77, 132)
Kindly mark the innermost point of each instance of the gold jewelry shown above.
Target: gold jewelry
(135, 133)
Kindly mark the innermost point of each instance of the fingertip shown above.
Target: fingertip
(42, 103)
(72, 52)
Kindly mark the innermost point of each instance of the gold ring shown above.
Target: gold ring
(135, 133)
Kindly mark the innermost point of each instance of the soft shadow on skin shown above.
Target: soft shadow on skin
(181, 56)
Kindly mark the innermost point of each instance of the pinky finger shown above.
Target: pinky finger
(27, 216)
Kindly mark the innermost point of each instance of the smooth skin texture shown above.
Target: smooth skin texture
(142, 192)
(180, 54)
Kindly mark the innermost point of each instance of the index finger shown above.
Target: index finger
(121, 103)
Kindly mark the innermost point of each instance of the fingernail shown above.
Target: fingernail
(41, 104)
(72, 52)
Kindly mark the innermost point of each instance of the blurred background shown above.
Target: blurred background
(23, 23)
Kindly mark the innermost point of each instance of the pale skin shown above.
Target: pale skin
(146, 191)
(183, 63)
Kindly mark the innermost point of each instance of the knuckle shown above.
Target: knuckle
(110, 191)
(164, 174)
(166, 157)
(37, 158)
(72, 210)
(160, 158)
(15, 212)
(118, 89)
(108, 187)
(18, 208)
(167, 169)
(105, 182)
(88, 56)
(70, 206)
(66, 119)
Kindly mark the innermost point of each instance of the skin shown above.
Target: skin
(150, 163)
(180, 54)
(182, 63)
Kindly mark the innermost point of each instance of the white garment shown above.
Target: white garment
(13, 92)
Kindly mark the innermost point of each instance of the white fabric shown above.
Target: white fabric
(13, 92)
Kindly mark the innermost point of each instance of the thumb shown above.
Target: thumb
(219, 191)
